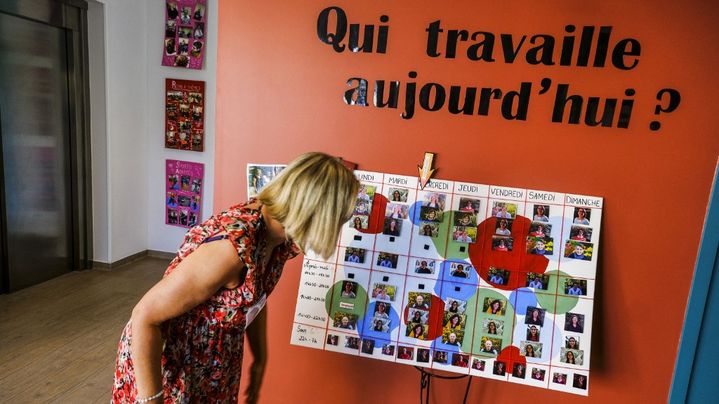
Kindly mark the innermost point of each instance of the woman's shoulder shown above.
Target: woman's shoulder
(236, 222)
(239, 217)
(249, 208)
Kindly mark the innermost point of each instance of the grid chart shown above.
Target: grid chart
(476, 279)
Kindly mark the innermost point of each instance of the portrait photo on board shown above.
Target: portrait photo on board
(460, 270)
(397, 195)
(575, 287)
(540, 230)
(580, 233)
(540, 245)
(383, 291)
(359, 222)
(469, 205)
(428, 229)
(424, 266)
(503, 227)
(540, 213)
(534, 316)
(504, 210)
(392, 227)
(452, 305)
(582, 216)
(496, 306)
(464, 218)
(574, 322)
(429, 214)
(501, 243)
(578, 250)
(355, 255)
(537, 281)
(387, 260)
(498, 276)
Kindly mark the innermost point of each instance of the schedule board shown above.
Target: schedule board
(485, 280)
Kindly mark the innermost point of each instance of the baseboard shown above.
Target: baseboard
(161, 254)
(132, 258)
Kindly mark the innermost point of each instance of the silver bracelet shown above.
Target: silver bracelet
(148, 399)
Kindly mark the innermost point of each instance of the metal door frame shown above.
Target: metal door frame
(71, 16)
(4, 272)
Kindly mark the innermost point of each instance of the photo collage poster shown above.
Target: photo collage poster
(183, 194)
(259, 175)
(185, 114)
(484, 280)
(185, 28)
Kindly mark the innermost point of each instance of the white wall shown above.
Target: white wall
(129, 160)
(162, 237)
(126, 103)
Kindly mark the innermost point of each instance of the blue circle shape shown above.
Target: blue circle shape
(414, 213)
(521, 299)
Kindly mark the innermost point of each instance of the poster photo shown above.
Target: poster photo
(183, 193)
(185, 114)
(259, 175)
(185, 28)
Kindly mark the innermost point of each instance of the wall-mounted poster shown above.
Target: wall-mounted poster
(476, 279)
(185, 114)
(183, 192)
(185, 28)
(259, 175)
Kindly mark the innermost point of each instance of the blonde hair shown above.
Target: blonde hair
(312, 198)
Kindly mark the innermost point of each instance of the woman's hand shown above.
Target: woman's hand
(257, 337)
(257, 372)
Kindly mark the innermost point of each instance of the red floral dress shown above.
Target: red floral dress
(202, 356)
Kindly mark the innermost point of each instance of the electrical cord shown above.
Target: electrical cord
(425, 383)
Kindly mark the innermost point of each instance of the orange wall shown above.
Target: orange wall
(279, 94)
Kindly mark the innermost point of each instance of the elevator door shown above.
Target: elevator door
(34, 131)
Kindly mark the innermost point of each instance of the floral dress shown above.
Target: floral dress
(202, 355)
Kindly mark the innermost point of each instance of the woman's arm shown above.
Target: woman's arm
(257, 338)
(199, 276)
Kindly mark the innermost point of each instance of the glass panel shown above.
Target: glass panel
(35, 141)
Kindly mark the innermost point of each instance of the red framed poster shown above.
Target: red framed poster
(184, 114)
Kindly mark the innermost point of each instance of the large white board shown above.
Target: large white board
(485, 280)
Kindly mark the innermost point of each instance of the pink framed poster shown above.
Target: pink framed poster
(185, 27)
(183, 192)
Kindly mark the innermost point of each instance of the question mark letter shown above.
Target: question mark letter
(674, 100)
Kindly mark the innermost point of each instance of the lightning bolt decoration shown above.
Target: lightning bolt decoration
(426, 170)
